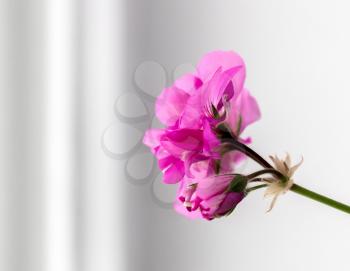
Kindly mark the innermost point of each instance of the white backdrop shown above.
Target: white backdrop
(78, 79)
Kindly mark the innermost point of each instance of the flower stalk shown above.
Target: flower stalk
(256, 187)
(320, 198)
(295, 187)
(232, 144)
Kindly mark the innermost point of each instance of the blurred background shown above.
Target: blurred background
(78, 80)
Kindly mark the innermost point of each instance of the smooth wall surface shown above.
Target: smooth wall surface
(297, 62)
(78, 83)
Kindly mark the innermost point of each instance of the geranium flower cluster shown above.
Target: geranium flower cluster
(190, 147)
(204, 114)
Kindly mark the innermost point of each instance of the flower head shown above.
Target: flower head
(188, 148)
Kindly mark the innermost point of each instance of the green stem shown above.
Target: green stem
(266, 171)
(235, 145)
(256, 187)
(325, 200)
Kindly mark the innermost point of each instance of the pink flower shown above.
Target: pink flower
(209, 198)
(187, 149)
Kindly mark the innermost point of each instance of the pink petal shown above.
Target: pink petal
(219, 85)
(245, 107)
(180, 199)
(211, 186)
(199, 166)
(211, 142)
(188, 83)
(165, 162)
(209, 207)
(193, 112)
(170, 105)
(178, 141)
(152, 137)
(227, 164)
(174, 173)
(210, 63)
(230, 201)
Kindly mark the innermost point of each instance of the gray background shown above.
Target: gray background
(66, 202)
